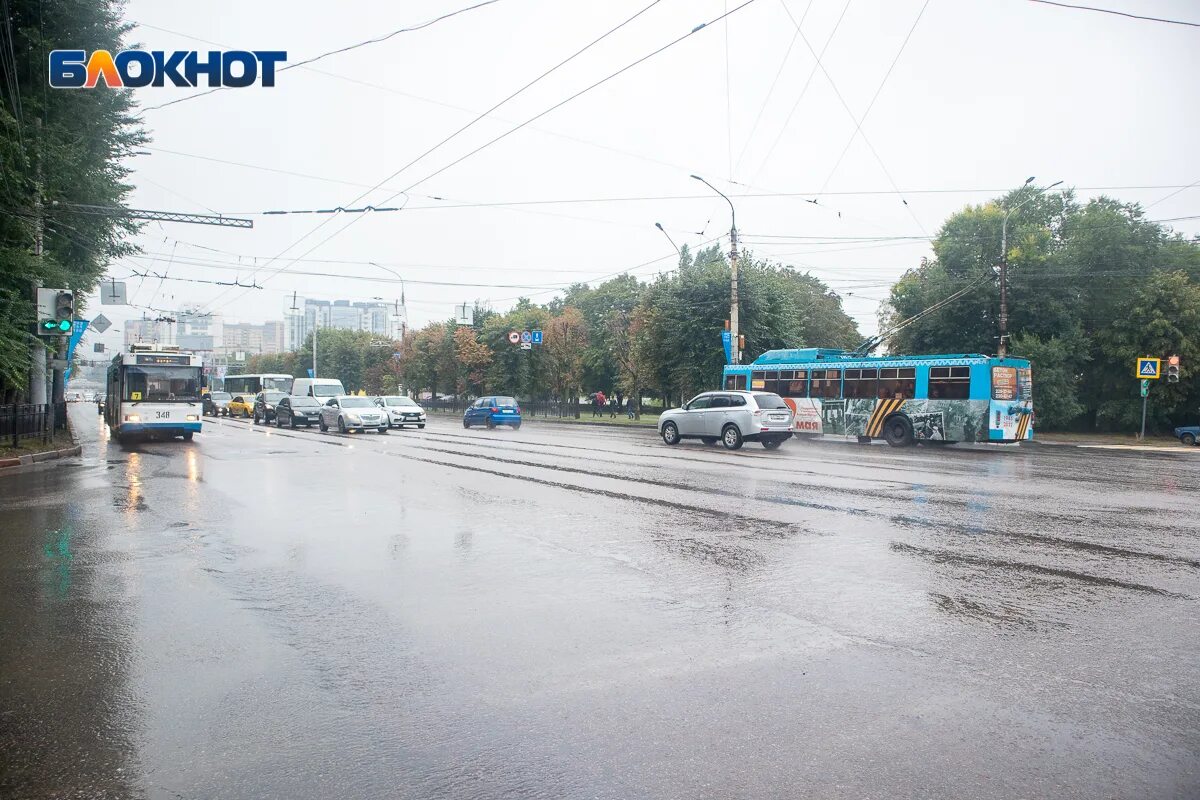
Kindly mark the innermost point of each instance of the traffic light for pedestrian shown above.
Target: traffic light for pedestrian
(1173, 369)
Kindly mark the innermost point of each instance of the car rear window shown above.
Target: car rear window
(505, 401)
(769, 401)
(303, 401)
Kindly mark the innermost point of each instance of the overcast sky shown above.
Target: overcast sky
(984, 94)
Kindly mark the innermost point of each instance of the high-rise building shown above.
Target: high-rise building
(242, 338)
(143, 331)
(295, 330)
(272, 340)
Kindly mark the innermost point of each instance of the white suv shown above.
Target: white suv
(731, 417)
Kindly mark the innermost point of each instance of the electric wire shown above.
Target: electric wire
(339, 50)
(1117, 13)
(475, 120)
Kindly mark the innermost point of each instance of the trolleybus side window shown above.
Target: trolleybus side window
(758, 380)
(826, 383)
(897, 382)
(735, 381)
(861, 383)
(951, 383)
(788, 383)
(1004, 383)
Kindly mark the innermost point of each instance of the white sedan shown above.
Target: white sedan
(348, 412)
(402, 411)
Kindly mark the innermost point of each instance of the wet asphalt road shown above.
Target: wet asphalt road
(567, 613)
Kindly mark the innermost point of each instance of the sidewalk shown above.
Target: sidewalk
(1113, 441)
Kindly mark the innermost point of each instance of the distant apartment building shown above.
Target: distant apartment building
(242, 337)
(144, 331)
(383, 319)
(273, 333)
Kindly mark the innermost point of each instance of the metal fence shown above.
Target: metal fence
(31, 421)
(529, 408)
(543, 408)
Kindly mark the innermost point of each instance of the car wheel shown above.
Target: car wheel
(466, 424)
(491, 424)
(1188, 439)
(517, 427)
(670, 433)
(709, 440)
(772, 444)
(731, 437)
(898, 432)
(246, 413)
(321, 424)
(255, 417)
(384, 429)
(421, 426)
(341, 425)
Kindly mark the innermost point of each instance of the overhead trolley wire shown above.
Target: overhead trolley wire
(355, 46)
(479, 117)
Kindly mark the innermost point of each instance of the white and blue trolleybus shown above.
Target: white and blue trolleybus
(153, 390)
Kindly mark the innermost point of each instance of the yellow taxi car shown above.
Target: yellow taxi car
(240, 406)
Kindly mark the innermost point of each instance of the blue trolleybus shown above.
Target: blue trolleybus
(902, 399)
(153, 390)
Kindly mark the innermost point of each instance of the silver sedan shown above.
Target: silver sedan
(347, 412)
(730, 417)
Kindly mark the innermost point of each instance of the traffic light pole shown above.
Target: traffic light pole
(1145, 397)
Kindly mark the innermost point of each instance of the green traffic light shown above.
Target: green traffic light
(49, 325)
(64, 325)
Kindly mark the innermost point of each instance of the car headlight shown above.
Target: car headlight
(133, 418)
(193, 418)
(353, 418)
(270, 407)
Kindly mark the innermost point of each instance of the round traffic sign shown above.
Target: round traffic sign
(514, 337)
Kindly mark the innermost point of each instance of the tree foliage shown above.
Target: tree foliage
(58, 150)
(1090, 288)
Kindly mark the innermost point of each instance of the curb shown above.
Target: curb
(15, 463)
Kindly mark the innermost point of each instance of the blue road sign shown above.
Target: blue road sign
(536, 336)
(526, 337)
(1147, 368)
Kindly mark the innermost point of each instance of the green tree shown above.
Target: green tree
(58, 150)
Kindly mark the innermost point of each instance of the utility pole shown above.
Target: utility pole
(734, 348)
(1002, 347)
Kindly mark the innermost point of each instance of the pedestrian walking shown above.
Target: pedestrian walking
(613, 408)
(595, 404)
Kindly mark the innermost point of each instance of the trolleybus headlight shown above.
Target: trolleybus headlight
(133, 418)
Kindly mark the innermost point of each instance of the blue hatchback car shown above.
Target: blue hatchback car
(493, 411)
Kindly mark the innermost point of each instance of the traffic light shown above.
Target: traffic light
(1173, 369)
(58, 319)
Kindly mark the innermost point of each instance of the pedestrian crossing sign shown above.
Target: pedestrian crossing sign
(1148, 368)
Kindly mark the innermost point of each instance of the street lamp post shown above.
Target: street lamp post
(734, 349)
(1002, 348)
(669, 239)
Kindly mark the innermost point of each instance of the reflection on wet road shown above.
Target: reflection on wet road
(557, 612)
